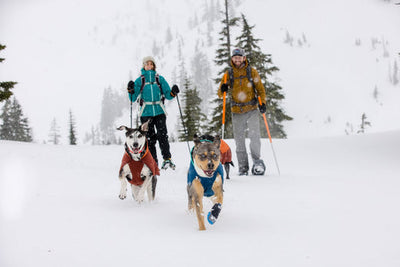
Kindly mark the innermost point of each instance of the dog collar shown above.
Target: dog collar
(140, 152)
(130, 150)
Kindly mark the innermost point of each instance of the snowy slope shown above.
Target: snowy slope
(335, 204)
(65, 53)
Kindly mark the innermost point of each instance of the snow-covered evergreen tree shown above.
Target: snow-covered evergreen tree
(54, 134)
(202, 75)
(15, 126)
(5, 87)
(192, 115)
(111, 109)
(364, 123)
(72, 129)
(223, 58)
(395, 79)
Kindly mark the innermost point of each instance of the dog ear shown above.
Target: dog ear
(145, 126)
(217, 141)
(196, 139)
(121, 128)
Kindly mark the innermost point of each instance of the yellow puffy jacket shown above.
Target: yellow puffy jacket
(242, 93)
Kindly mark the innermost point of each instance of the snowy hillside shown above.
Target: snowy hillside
(337, 59)
(335, 204)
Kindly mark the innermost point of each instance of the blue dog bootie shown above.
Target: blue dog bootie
(213, 214)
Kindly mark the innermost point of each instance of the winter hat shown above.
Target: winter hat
(149, 58)
(238, 52)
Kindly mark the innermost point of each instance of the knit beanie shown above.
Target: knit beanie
(149, 58)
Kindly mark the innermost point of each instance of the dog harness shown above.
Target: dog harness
(206, 182)
(137, 166)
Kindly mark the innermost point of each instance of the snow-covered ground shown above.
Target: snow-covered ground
(64, 53)
(334, 204)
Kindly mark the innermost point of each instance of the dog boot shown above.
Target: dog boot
(258, 167)
(213, 214)
(168, 164)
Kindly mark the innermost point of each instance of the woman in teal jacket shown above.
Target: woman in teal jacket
(150, 89)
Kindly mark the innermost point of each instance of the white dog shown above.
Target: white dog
(138, 166)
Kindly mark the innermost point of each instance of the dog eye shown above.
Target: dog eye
(203, 157)
(215, 156)
(140, 135)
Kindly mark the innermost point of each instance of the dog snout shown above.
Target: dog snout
(136, 144)
(210, 165)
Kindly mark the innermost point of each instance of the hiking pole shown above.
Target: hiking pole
(223, 111)
(183, 123)
(130, 99)
(269, 136)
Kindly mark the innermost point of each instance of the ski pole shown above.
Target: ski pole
(223, 110)
(183, 123)
(269, 136)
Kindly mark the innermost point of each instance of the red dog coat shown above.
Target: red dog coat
(137, 166)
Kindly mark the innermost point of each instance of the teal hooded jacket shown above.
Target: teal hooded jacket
(151, 93)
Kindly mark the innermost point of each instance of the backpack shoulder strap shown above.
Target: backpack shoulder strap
(248, 73)
(231, 78)
(159, 84)
(143, 83)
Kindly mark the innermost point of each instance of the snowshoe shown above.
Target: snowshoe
(213, 214)
(168, 164)
(243, 171)
(258, 167)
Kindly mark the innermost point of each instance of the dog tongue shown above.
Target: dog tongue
(209, 173)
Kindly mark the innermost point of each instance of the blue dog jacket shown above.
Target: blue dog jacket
(206, 182)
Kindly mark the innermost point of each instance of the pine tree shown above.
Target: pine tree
(201, 70)
(192, 115)
(395, 79)
(364, 123)
(265, 67)
(72, 130)
(54, 134)
(223, 58)
(5, 87)
(15, 126)
(111, 109)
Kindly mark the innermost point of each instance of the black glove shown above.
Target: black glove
(263, 108)
(131, 87)
(174, 90)
(224, 88)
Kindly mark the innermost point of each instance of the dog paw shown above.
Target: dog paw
(122, 196)
(139, 199)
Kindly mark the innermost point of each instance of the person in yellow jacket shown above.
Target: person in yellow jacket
(243, 86)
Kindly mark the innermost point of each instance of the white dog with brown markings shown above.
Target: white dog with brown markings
(138, 166)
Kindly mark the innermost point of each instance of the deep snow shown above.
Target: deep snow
(64, 53)
(335, 204)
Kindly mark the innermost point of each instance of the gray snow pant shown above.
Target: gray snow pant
(241, 122)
